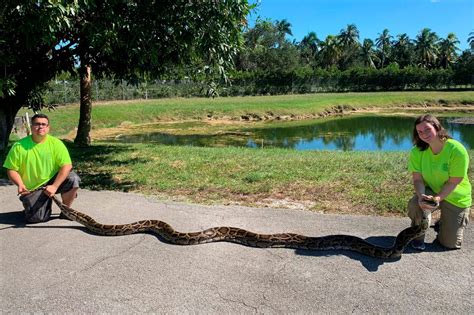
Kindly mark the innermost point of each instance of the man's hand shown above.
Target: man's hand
(22, 190)
(50, 190)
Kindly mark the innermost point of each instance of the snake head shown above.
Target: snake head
(425, 221)
(431, 203)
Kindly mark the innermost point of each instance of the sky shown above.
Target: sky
(328, 17)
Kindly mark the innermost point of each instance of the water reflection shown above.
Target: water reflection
(372, 133)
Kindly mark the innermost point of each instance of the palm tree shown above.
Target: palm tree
(330, 51)
(426, 48)
(309, 46)
(283, 28)
(348, 40)
(349, 37)
(310, 41)
(470, 40)
(447, 50)
(403, 50)
(368, 54)
(383, 44)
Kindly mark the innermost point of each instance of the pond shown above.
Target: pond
(368, 133)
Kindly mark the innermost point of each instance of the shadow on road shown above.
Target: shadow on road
(371, 263)
(5, 182)
(16, 219)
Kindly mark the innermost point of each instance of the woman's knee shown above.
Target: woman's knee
(452, 227)
(451, 241)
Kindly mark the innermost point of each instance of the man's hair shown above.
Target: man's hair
(440, 131)
(39, 116)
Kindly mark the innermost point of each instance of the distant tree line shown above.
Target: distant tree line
(269, 63)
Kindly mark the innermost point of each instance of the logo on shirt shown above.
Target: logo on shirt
(445, 167)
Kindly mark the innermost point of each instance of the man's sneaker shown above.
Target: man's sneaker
(418, 245)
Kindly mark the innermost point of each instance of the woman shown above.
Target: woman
(439, 167)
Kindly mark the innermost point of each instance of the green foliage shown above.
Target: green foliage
(464, 68)
(305, 80)
(266, 48)
(120, 39)
(344, 51)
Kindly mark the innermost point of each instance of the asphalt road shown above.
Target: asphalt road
(59, 267)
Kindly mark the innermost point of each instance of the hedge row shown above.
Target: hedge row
(254, 83)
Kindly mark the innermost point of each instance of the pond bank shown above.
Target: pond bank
(410, 109)
(244, 126)
(257, 108)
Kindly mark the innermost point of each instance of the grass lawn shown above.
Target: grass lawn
(327, 181)
(113, 114)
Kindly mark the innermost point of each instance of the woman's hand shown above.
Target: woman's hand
(429, 202)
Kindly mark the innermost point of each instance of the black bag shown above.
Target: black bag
(37, 206)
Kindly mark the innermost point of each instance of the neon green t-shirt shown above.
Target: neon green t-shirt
(436, 169)
(37, 163)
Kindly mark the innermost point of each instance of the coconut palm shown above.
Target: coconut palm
(283, 28)
(309, 47)
(348, 40)
(447, 50)
(330, 51)
(402, 50)
(349, 37)
(470, 40)
(368, 53)
(310, 41)
(383, 43)
(426, 48)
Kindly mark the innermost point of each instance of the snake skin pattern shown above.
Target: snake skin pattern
(237, 235)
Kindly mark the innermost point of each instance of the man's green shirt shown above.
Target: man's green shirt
(436, 169)
(37, 163)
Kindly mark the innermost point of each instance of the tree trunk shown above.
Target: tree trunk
(83, 130)
(7, 118)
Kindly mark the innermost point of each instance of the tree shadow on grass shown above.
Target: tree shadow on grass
(95, 155)
(101, 154)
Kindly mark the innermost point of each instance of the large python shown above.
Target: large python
(244, 237)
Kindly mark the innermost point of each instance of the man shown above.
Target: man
(41, 161)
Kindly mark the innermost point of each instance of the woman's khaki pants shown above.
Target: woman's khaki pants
(451, 225)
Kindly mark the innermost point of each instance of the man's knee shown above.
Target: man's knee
(72, 181)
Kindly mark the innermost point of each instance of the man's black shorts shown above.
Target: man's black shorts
(38, 205)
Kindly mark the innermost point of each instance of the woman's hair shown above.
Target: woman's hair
(441, 132)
